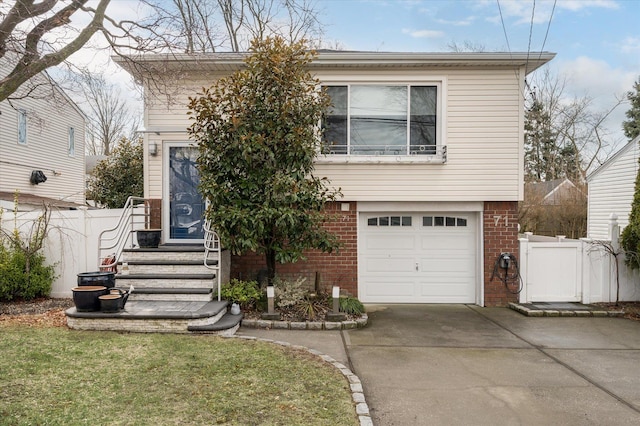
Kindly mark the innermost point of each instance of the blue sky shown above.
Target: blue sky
(597, 42)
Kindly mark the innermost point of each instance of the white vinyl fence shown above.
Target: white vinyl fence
(72, 244)
(561, 270)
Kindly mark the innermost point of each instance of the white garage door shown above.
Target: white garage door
(417, 258)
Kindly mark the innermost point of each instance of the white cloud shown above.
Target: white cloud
(630, 45)
(585, 4)
(423, 33)
(522, 10)
(460, 23)
(602, 83)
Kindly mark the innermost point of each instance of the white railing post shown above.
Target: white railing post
(524, 261)
(614, 231)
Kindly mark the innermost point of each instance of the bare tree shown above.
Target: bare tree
(36, 35)
(110, 118)
(210, 25)
(577, 127)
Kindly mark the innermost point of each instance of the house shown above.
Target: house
(556, 207)
(611, 188)
(41, 147)
(427, 206)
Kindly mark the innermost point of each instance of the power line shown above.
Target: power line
(504, 29)
(533, 13)
(548, 26)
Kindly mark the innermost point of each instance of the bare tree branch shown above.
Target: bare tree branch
(31, 61)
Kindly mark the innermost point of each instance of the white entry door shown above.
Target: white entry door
(418, 257)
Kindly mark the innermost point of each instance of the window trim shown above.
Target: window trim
(441, 107)
(22, 123)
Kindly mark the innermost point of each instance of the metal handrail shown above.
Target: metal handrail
(212, 245)
(113, 241)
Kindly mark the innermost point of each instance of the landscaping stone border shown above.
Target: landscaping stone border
(357, 392)
(307, 325)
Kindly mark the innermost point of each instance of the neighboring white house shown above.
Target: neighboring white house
(42, 135)
(611, 188)
(427, 207)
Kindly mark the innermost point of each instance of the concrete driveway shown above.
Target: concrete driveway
(467, 365)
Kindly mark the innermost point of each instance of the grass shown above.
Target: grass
(56, 376)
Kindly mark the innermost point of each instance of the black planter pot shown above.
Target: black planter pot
(110, 302)
(86, 298)
(148, 238)
(107, 279)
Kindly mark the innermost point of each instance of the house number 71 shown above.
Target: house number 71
(498, 218)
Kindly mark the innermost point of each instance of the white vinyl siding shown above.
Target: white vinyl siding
(482, 121)
(611, 191)
(481, 126)
(47, 150)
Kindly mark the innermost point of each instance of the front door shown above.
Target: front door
(183, 205)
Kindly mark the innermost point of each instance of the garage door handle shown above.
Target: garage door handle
(417, 266)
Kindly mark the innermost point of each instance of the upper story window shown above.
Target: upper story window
(376, 119)
(72, 142)
(22, 127)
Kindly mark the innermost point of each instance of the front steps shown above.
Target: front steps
(168, 273)
(173, 293)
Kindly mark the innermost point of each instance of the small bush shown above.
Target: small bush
(351, 305)
(23, 273)
(244, 293)
(24, 276)
(289, 293)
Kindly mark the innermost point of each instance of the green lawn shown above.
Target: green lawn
(57, 376)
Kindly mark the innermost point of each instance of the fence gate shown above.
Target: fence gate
(551, 271)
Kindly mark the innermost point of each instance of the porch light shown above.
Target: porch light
(153, 149)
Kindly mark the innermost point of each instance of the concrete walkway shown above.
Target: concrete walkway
(467, 365)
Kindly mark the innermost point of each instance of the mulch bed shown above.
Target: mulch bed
(42, 312)
(631, 309)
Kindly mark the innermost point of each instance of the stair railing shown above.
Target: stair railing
(111, 242)
(212, 245)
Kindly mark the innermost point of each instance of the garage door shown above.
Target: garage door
(417, 258)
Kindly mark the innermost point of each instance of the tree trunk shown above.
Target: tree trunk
(271, 265)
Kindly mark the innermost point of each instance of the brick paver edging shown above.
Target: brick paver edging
(304, 325)
(357, 393)
(563, 312)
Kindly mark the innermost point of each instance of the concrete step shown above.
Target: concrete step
(170, 297)
(228, 321)
(179, 252)
(166, 280)
(167, 267)
(158, 316)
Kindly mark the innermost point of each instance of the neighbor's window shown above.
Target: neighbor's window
(381, 120)
(22, 127)
(72, 142)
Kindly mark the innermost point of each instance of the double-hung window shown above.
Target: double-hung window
(22, 127)
(72, 142)
(382, 119)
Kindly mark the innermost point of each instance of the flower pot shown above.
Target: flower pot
(148, 238)
(110, 302)
(107, 279)
(86, 297)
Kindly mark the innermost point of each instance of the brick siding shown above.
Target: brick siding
(338, 268)
(500, 220)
